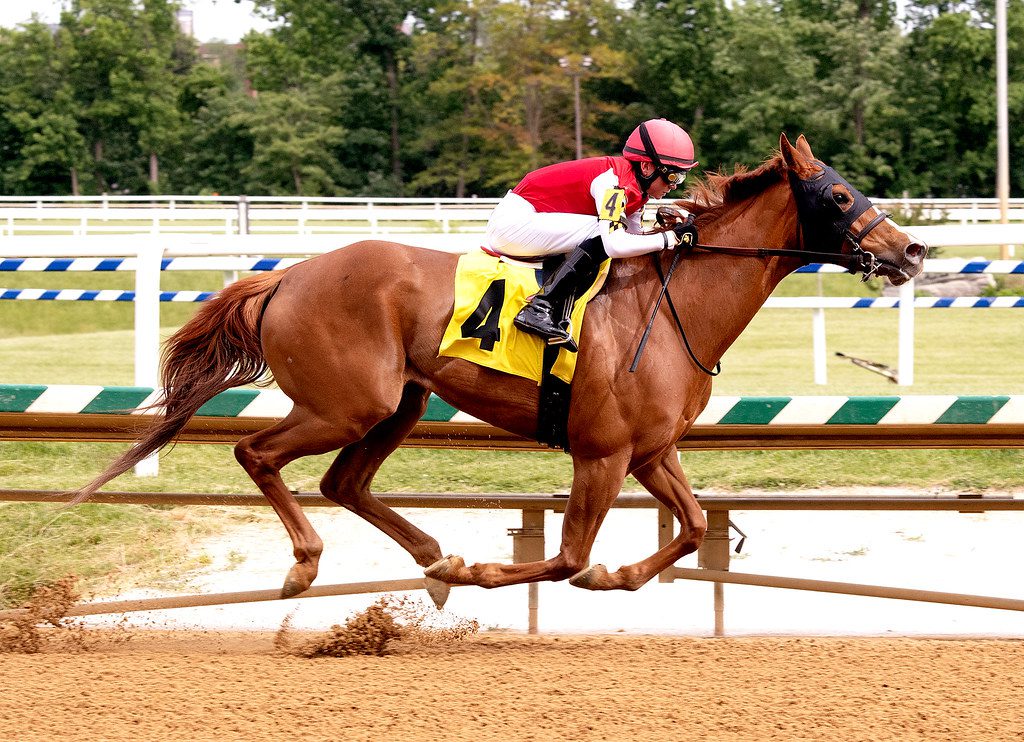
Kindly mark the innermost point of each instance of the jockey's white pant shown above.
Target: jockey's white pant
(518, 230)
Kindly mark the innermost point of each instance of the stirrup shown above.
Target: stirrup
(565, 341)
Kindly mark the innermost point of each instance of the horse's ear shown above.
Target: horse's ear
(803, 146)
(788, 153)
(799, 159)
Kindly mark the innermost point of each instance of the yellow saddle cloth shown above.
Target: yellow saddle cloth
(488, 295)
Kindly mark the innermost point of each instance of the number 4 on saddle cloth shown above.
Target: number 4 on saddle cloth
(489, 292)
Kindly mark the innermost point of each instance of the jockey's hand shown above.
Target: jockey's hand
(686, 231)
(669, 216)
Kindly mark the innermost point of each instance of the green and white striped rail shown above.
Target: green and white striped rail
(725, 410)
(98, 413)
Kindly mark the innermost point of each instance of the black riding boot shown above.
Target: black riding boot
(547, 314)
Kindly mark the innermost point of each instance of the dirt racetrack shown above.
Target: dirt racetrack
(217, 686)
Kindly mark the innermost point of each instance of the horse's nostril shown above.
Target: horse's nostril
(916, 250)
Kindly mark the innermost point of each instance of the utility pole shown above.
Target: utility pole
(576, 71)
(1002, 125)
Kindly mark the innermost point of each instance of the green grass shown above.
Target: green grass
(958, 351)
(99, 544)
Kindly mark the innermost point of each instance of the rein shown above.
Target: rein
(813, 196)
(665, 278)
(858, 260)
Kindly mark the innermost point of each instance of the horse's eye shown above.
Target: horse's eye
(840, 198)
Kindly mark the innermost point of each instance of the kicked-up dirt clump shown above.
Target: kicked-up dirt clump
(48, 606)
(389, 622)
(42, 622)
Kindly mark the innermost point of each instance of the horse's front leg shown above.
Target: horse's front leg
(595, 485)
(663, 478)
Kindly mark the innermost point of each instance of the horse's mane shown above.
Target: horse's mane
(717, 189)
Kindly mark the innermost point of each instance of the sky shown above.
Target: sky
(212, 19)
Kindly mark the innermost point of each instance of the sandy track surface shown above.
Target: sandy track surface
(232, 686)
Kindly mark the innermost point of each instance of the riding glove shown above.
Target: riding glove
(686, 231)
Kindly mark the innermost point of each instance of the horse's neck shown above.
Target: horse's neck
(718, 295)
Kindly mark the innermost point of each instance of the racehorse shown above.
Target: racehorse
(352, 338)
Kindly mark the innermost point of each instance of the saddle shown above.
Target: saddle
(489, 292)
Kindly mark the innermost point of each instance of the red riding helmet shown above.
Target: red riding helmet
(661, 142)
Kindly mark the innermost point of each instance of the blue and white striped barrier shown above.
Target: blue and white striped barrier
(63, 265)
(892, 302)
(105, 265)
(788, 302)
(940, 265)
(97, 295)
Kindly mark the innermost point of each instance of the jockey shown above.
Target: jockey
(592, 210)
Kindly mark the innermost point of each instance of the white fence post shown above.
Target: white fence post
(372, 215)
(147, 329)
(820, 352)
(905, 362)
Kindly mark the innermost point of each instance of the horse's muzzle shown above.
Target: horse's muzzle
(908, 267)
(914, 255)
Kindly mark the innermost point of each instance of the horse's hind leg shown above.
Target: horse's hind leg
(595, 485)
(263, 455)
(348, 480)
(664, 478)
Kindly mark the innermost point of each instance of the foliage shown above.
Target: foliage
(462, 97)
(40, 140)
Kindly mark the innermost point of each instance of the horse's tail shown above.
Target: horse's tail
(216, 350)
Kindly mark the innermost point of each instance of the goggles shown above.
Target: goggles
(674, 178)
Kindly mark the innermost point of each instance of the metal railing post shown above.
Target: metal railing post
(528, 546)
(714, 554)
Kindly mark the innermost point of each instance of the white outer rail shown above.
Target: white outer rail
(111, 215)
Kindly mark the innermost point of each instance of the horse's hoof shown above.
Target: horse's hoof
(445, 569)
(292, 588)
(295, 583)
(438, 591)
(589, 578)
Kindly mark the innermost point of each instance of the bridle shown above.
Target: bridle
(821, 221)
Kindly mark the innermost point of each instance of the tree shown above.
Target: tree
(43, 151)
(292, 140)
(948, 118)
(767, 83)
(214, 147)
(125, 72)
(361, 37)
(856, 46)
(677, 43)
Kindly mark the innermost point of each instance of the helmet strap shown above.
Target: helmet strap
(645, 181)
(645, 137)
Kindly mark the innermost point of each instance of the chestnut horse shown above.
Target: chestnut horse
(352, 338)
